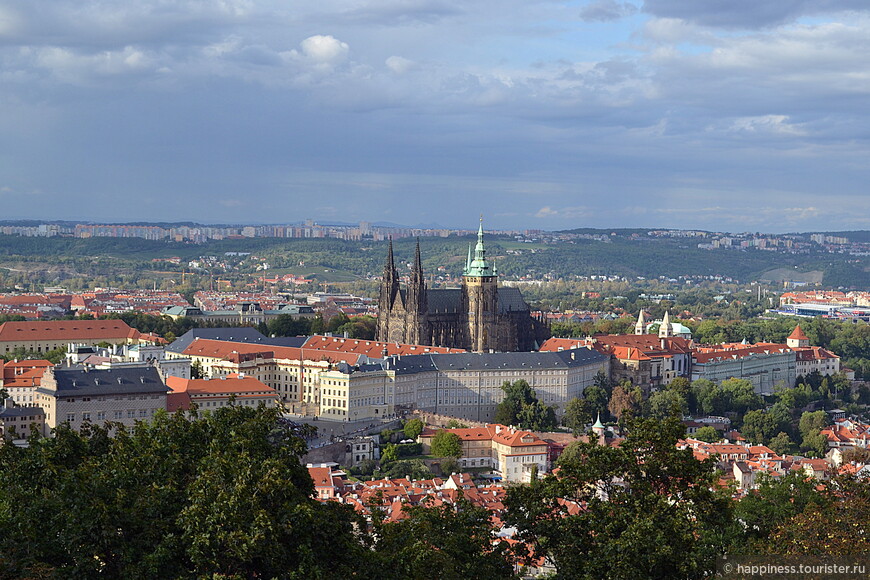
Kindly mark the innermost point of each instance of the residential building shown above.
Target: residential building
(513, 453)
(21, 378)
(18, 422)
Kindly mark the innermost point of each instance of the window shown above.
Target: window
(118, 415)
(70, 417)
(131, 413)
(86, 416)
(101, 415)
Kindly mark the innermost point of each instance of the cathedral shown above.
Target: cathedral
(479, 316)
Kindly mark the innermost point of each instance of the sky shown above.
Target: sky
(731, 115)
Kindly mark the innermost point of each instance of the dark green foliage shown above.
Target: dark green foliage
(446, 444)
(410, 468)
(650, 511)
(413, 428)
(172, 498)
(708, 434)
(521, 407)
(409, 449)
(774, 502)
(578, 414)
(446, 542)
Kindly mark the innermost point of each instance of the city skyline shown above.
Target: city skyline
(721, 116)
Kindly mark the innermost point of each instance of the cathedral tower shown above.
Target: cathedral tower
(389, 294)
(480, 297)
(417, 305)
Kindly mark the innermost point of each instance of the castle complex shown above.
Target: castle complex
(479, 316)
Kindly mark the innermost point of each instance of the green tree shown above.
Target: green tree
(649, 510)
(578, 414)
(781, 444)
(413, 428)
(663, 404)
(176, 497)
(446, 444)
(389, 453)
(598, 400)
(516, 394)
(815, 421)
(775, 501)
(708, 434)
(196, 370)
(451, 542)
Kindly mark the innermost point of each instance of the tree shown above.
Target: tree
(176, 497)
(413, 428)
(196, 370)
(667, 403)
(578, 414)
(452, 542)
(781, 444)
(449, 465)
(598, 400)
(625, 401)
(446, 444)
(649, 510)
(389, 453)
(516, 394)
(815, 421)
(775, 501)
(708, 434)
(521, 406)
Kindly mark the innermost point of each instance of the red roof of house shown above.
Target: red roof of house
(240, 387)
(798, 334)
(66, 330)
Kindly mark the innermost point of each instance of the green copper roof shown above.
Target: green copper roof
(598, 424)
(478, 266)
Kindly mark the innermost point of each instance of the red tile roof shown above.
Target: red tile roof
(371, 348)
(67, 330)
(798, 334)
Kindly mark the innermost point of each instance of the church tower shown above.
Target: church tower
(417, 304)
(480, 297)
(665, 329)
(387, 300)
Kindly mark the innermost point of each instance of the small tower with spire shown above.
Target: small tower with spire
(665, 329)
(598, 429)
(640, 325)
(797, 339)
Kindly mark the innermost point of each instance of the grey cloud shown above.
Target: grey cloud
(606, 10)
(747, 13)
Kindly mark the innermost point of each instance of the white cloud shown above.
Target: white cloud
(323, 50)
(399, 65)
(575, 212)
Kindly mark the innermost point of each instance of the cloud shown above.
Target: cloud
(772, 124)
(400, 65)
(606, 11)
(747, 13)
(576, 212)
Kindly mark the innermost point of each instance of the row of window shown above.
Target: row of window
(116, 415)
